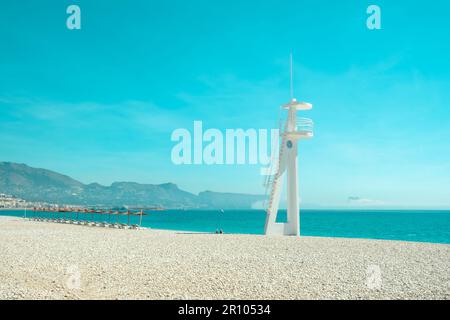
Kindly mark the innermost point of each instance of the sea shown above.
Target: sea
(406, 225)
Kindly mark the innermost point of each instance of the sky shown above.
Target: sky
(100, 103)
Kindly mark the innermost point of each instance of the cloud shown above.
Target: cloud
(363, 202)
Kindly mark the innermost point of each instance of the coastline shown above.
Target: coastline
(162, 264)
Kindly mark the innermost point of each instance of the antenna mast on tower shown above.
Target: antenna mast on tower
(292, 77)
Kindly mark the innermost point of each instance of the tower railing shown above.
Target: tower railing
(305, 125)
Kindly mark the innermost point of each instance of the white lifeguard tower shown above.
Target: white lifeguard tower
(293, 130)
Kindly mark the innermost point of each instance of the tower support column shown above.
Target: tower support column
(293, 223)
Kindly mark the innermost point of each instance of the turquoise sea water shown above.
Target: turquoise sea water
(422, 226)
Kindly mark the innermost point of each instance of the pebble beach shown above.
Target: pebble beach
(43, 260)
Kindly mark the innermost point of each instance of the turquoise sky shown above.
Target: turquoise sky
(100, 103)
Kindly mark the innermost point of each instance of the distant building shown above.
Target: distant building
(10, 201)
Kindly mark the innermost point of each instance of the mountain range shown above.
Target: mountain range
(41, 185)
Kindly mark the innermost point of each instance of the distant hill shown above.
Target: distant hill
(33, 184)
